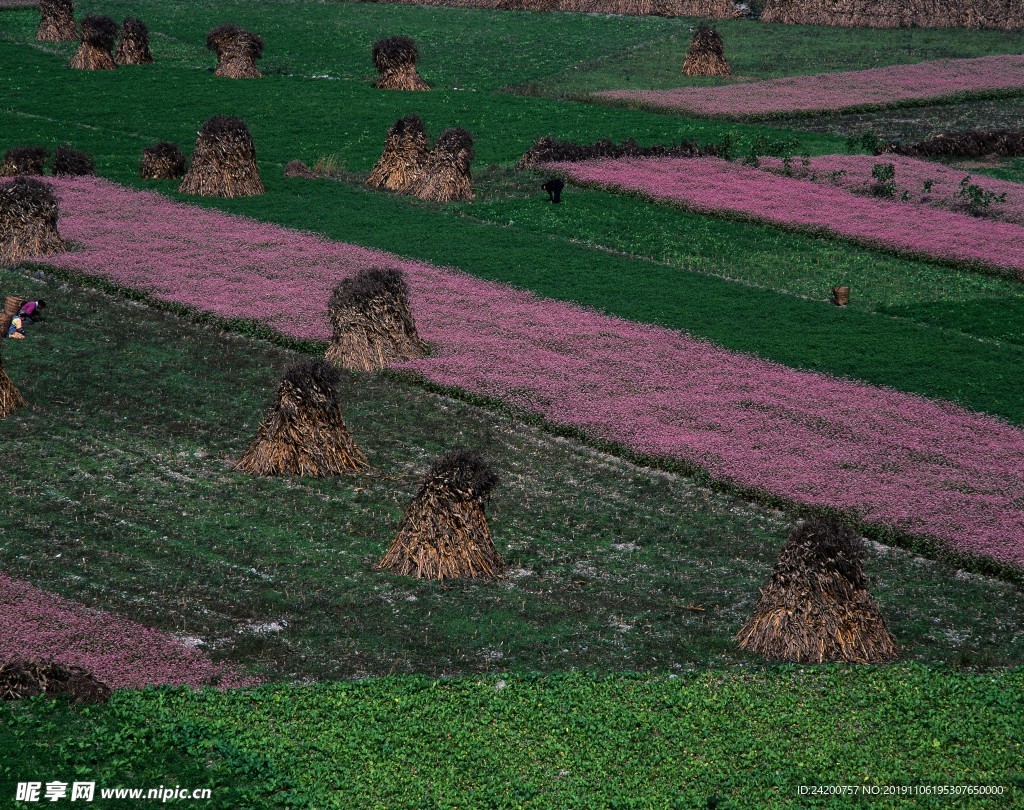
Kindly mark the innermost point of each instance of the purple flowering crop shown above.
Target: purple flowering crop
(922, 466)
(121, 653)
(941, 78)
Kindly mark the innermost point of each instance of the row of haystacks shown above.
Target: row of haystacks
(26, 161)
(551, 150)
(967, 143)
(707, 9)
(408, 165)
(1006, 15)
(96, 50)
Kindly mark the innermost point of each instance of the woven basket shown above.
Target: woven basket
(841, 296)
(5, 323)
(13, 304)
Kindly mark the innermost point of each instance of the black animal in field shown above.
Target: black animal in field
(554, 188)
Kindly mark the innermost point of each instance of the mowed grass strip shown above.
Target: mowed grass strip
(731, 739)
(124, 468)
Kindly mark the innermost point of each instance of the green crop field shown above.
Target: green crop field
(601, 670)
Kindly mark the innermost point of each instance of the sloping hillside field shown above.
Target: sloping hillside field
(464, 406)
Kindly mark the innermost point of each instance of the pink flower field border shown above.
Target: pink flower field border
(830, 92)
(121, 653)
(916, 466)
(713, 186)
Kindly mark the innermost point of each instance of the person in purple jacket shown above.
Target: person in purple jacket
(31, 311)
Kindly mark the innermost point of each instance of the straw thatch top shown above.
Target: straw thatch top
(822, 548)
(393, 51)
(359, 292)
(164, 150)
(72, 162)
(462, 474)
(231, 35)
(311, 381)
(99, 31)
(455, 140)
(23, 160)
(225, 127)
(708, 40)
(55, 7)
(411, 126)
(27, 194)
(135, 29)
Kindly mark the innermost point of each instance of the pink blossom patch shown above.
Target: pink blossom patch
(826, 92)
(121, 653)
(922, 466)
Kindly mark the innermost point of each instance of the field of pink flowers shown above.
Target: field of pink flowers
(925, 182)
(922, 466)
(713, 186)
(40, 624)
(884, 86)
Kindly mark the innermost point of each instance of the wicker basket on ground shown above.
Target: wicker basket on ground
(25, 679)
(444, 533)
(405, 155)
(56, 21)
(133, 49)
(94, 52)
(23, 160)
(68, 162)
(816, 606)
(304, 433)
(395, 59)
(10, 397)
(372, 322)
(28, 221)
(162, 161)
(446, 175)
(237, 51)
(707, 54)
(224, 161)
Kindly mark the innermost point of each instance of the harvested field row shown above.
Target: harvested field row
(1005, 15)
(713, 186)
(806, 437)
(829, 92)
(920, 182)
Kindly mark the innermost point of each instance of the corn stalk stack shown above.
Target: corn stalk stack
(10, 397)
(68, 162)
(405, 155)
(94, 52)
(372, 322)
(304, 432)
(56, 21)
(23, 160)
(444, 532)
(133, 49)
(447, 176)
(707, 54)
(162, 161)
(224, 161)
(28, 221)
(25, 679)
(395, 59)
(816, 606)
(237, 51)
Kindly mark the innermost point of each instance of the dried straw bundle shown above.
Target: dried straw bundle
(28, 221)
(372, 321)
(68, 162)
(395, 60)
(134, 46)
(1006, 15)
(98, 35)
(549, 150)
(162, 161)
(444, 533)
(24, 679)
(707, 54)
(405, 155)
(22, 160)
(56, 21)
(237, 51)
(304, 433)
(816, 607)
(224, 161)
(296, 168)
(969, 143)
(446, 175)
(10, 397)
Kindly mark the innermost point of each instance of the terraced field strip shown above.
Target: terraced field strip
(831, 92)
(920, 466)
(713, 186)
(121, 653)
